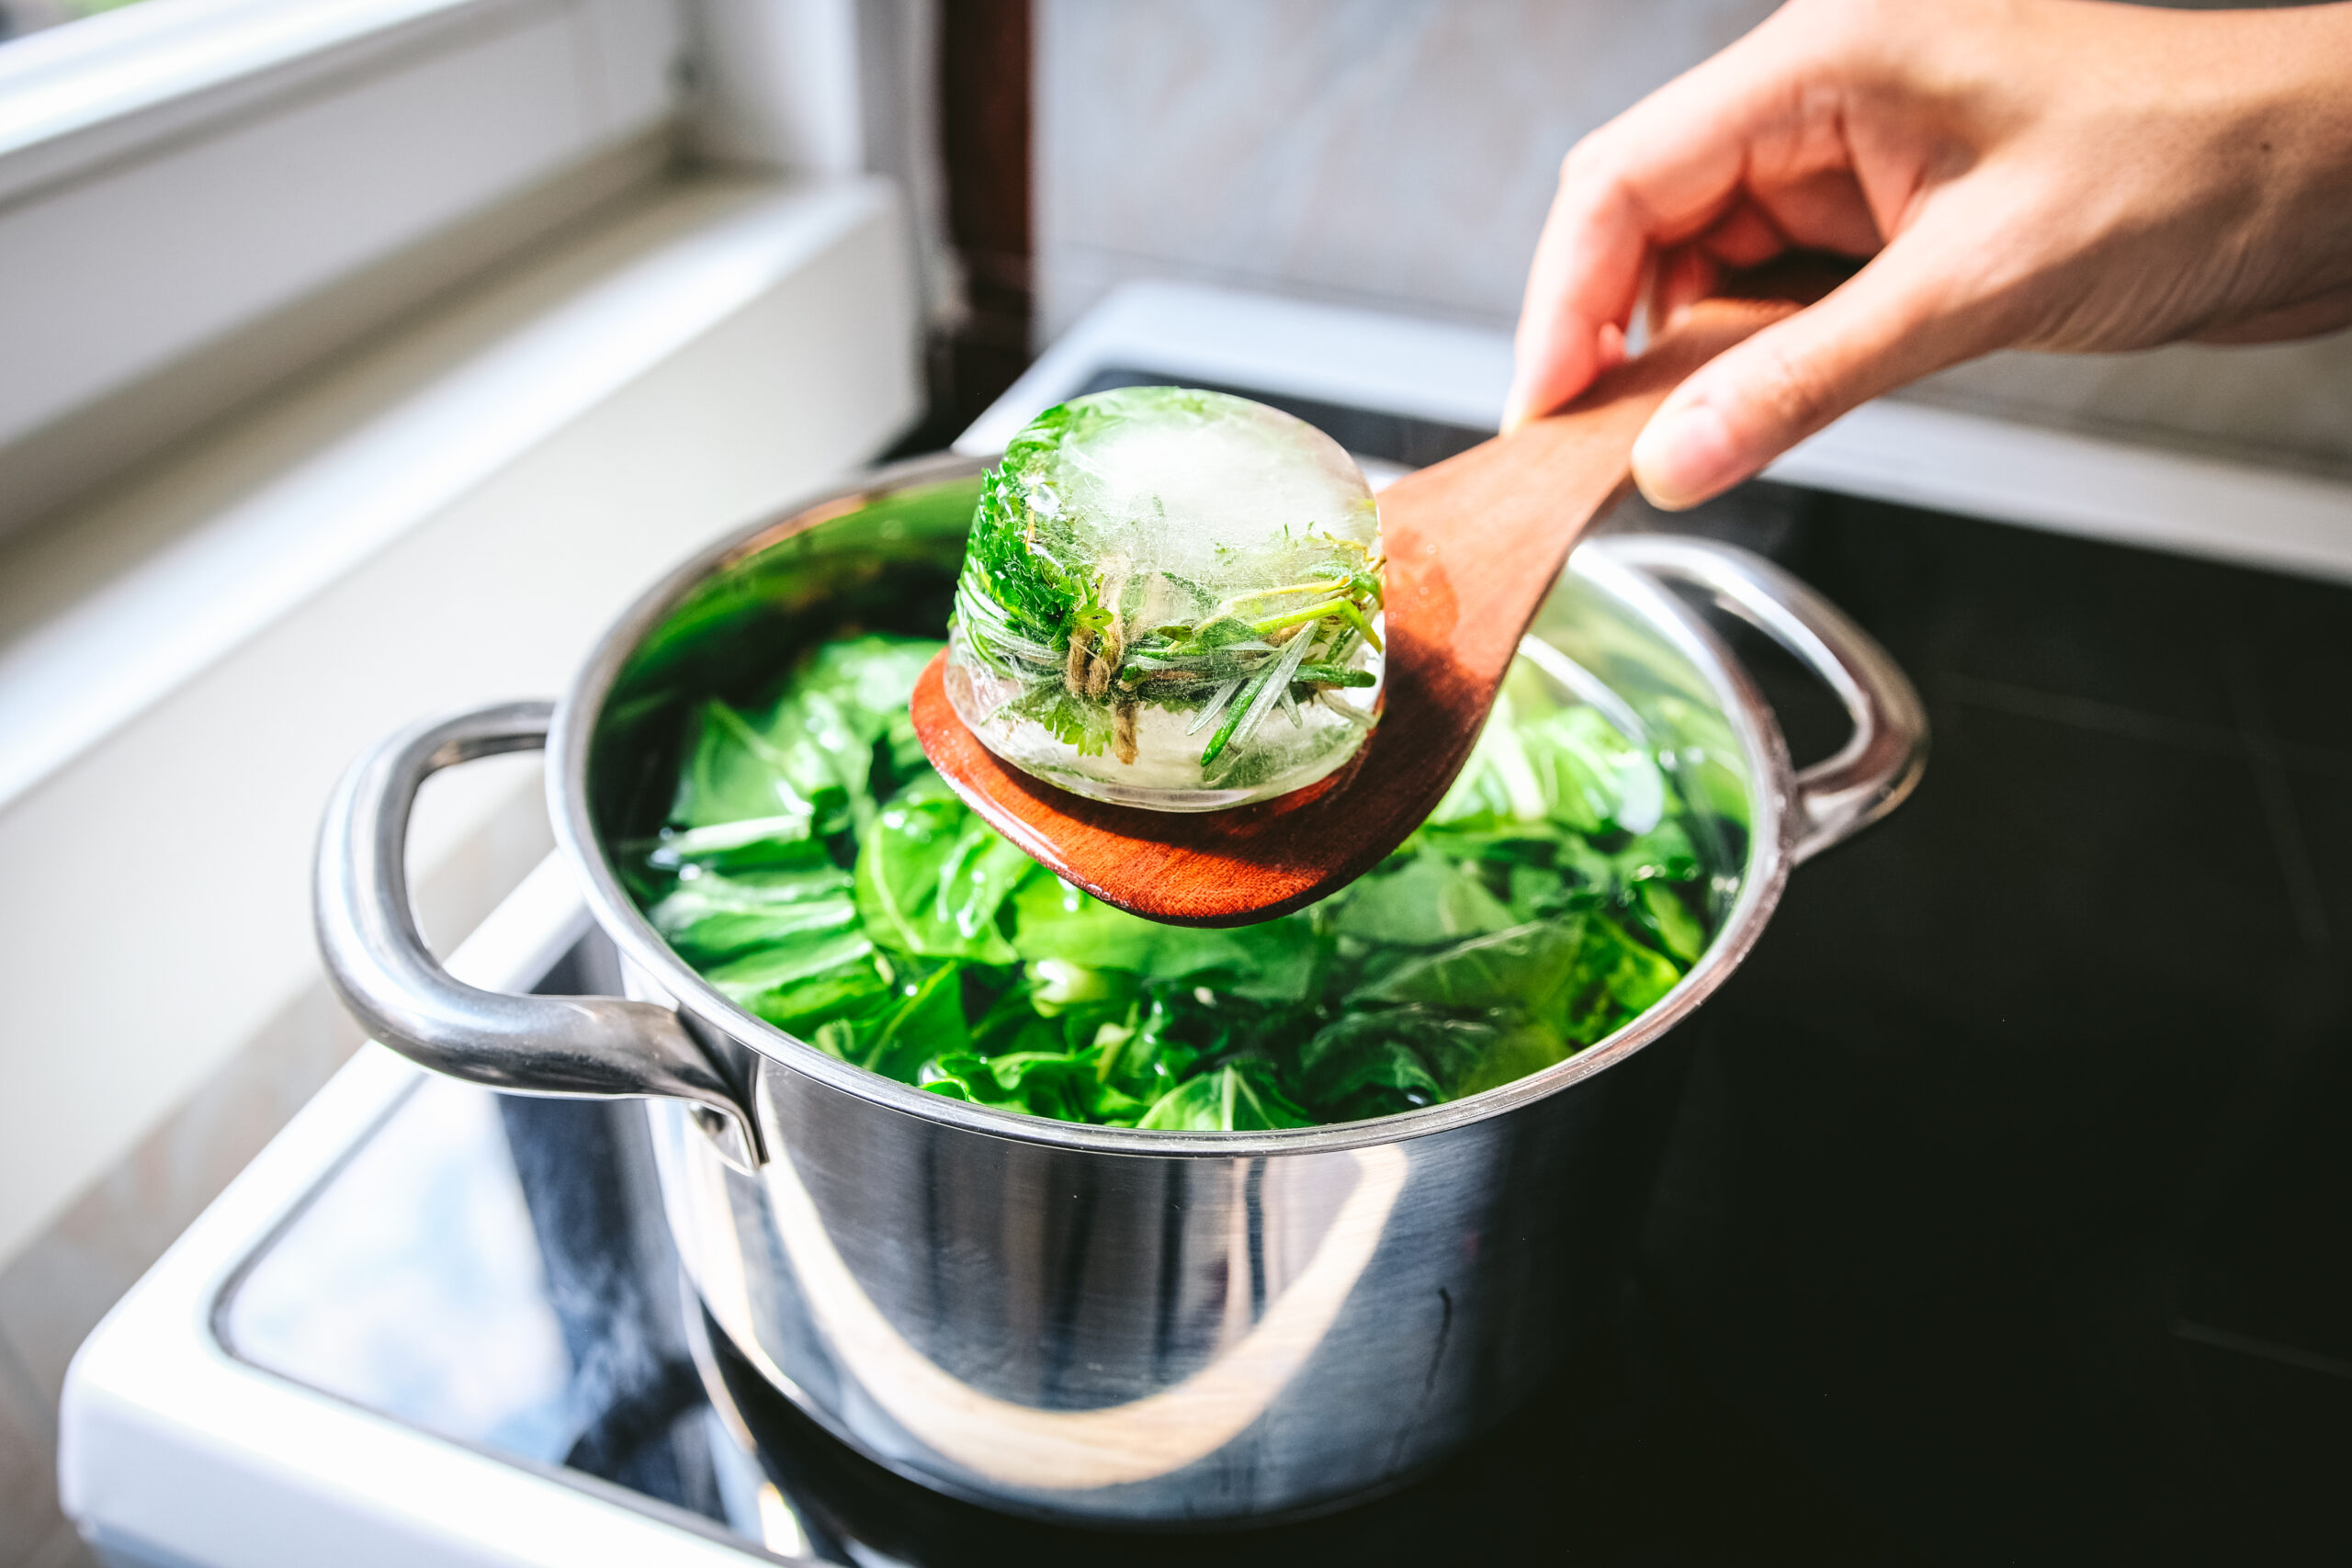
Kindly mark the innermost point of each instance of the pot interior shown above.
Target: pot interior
(885, 558)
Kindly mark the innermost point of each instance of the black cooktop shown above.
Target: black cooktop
(2005, 1220)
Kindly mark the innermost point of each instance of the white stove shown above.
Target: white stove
(391, 1342)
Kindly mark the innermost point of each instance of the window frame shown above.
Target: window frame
(143, 150)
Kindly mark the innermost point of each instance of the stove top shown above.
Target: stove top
(2003, 1222)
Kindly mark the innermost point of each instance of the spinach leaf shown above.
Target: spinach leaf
(821, 741)
(931, 877)
(1664, 852)
(1662, 915)
(848, 698)
(1616, 979)
(1423, 899)
(1376, 1064)
(1539, 768)
(806, 983)
(1274, 962)
(709, 916)
(869, 680)
(1578, 975)
(1241, 1096)
(1528, 962)
(1176, 1030)
(1066, 1085)
(755, 843)
(1027, 1017)
(734, 775)
(1592, 779)
(922, 1018)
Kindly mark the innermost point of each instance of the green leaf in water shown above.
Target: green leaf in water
(1239, 1097)
(710, 916)
(803, 985)
(734, 775)
(1578, 975)
(931, 877)
(1419, 900)
(1276, 962)
(1378, 1064)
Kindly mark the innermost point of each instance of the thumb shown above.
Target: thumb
(1894, 321)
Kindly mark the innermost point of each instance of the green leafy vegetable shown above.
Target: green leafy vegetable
(930, 878)
(710, 916)
(1244, 1095)
(1276, 962)
(1421, 899)
(853, 900)
(1377, 1063)
(799, 985)
(735, 773)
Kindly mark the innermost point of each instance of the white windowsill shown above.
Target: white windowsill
(71, 678)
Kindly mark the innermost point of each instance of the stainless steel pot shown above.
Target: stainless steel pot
(1085, 1323)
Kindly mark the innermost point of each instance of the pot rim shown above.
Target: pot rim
(1770, 851)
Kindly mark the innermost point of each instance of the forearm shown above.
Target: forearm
(2282, 83)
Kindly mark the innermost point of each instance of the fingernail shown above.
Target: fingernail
(1685, 456)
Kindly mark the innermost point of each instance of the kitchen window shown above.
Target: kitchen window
(200, 198)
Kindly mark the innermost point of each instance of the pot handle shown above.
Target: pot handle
(588, 1047)
(1869, 776)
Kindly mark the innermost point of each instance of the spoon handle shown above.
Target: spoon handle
(1473, 543)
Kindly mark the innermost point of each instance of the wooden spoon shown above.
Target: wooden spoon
(1474, 545)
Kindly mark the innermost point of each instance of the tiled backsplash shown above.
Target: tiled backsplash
(1401, 154)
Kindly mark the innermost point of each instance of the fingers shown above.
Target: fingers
(1586, 275)
(1744, 236)
(1904, 315)
(1663, 174)
(1686, 275)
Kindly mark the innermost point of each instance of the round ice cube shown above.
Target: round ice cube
(1170, 599)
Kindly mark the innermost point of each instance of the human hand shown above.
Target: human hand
(2022, 174)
